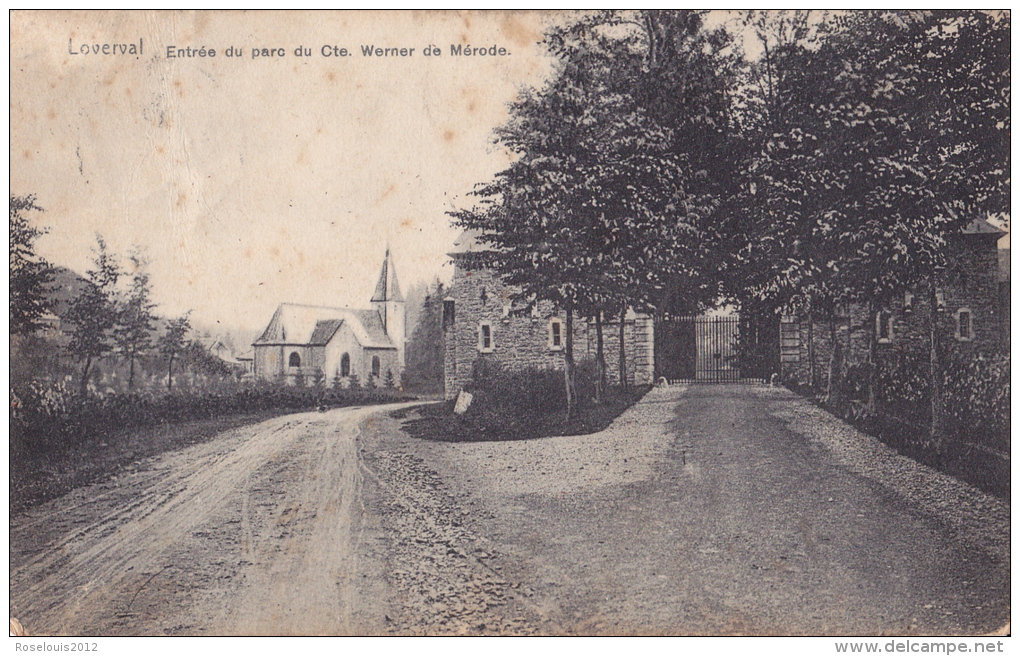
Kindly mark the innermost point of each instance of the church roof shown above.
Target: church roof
(387, 289)
(314, 325)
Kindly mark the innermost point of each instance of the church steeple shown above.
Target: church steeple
(389, 303)
(387, 289)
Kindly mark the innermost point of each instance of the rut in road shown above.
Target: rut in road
(99, 566)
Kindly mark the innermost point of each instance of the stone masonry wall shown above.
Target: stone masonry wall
(976, 290)
(521, 339)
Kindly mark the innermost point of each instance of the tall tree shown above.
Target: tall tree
(135, 320)
(605, 203)
(173, 343)
(893, 137)
(93, 314)
(29, 273)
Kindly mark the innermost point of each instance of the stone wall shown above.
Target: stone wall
(521, 338)
(975, 290)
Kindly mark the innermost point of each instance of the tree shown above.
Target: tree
(893, 136)
(605, 203)
(172, 343)
(29, 273)
(135, 320)
(424, 353)
(93, 314)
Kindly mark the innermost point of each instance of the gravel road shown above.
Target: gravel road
(731, 509)
(704, 510)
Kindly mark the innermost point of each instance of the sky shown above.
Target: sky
(248, 182)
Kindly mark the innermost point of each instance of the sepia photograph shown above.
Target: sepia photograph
(675, 323)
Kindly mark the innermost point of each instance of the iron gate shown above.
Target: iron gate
(703, 349)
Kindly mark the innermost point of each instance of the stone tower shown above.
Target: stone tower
(389, 303)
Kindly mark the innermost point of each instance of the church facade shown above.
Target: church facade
(306, 344)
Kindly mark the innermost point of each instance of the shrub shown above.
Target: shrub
(977, 400)
(45, 417)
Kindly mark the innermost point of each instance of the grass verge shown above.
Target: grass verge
(40, 477)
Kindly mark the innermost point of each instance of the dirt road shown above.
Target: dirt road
(704, 510)
(255, 532)
(731, 509)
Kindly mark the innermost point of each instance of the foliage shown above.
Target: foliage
(977, 390)
(606, 203)
(49, 417)
(93, 313)
(522, 404)
(889, 133)
(977, 400)
(135, 320)
(173, 342)
(29, 273)
(425, 350)
(528, 390)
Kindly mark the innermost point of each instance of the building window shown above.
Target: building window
(964, 325)
(449, 313)
(884, 327)
(555, 334)
(940, 300)
(908, 301)
(345, 365)
(485, 343)
(376, 366)
(295, 360)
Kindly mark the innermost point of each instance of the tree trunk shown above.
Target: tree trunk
(832, 392)
(170, 374)
(568, 369)
(600, 360)
(85, 375)
(623, 350)
(131, 372)
(872, 344)
(935, 431)
(812, 375)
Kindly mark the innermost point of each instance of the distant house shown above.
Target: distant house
(247, 360)
(481, 321)
(973, 314)
(305, 343)
(215, 347)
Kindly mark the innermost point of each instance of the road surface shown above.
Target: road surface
(725, 509)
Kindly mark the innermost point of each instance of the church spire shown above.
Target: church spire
(387, 289)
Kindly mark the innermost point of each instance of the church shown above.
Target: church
(304, 344)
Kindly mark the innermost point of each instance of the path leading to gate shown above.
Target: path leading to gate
(729, 509)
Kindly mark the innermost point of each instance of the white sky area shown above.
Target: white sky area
(251, 182)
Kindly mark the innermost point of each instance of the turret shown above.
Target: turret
(389, 303)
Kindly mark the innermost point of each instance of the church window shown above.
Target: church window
(345, 365)
(295, 360)
(376, 366)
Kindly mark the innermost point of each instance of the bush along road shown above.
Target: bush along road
(704, 510)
